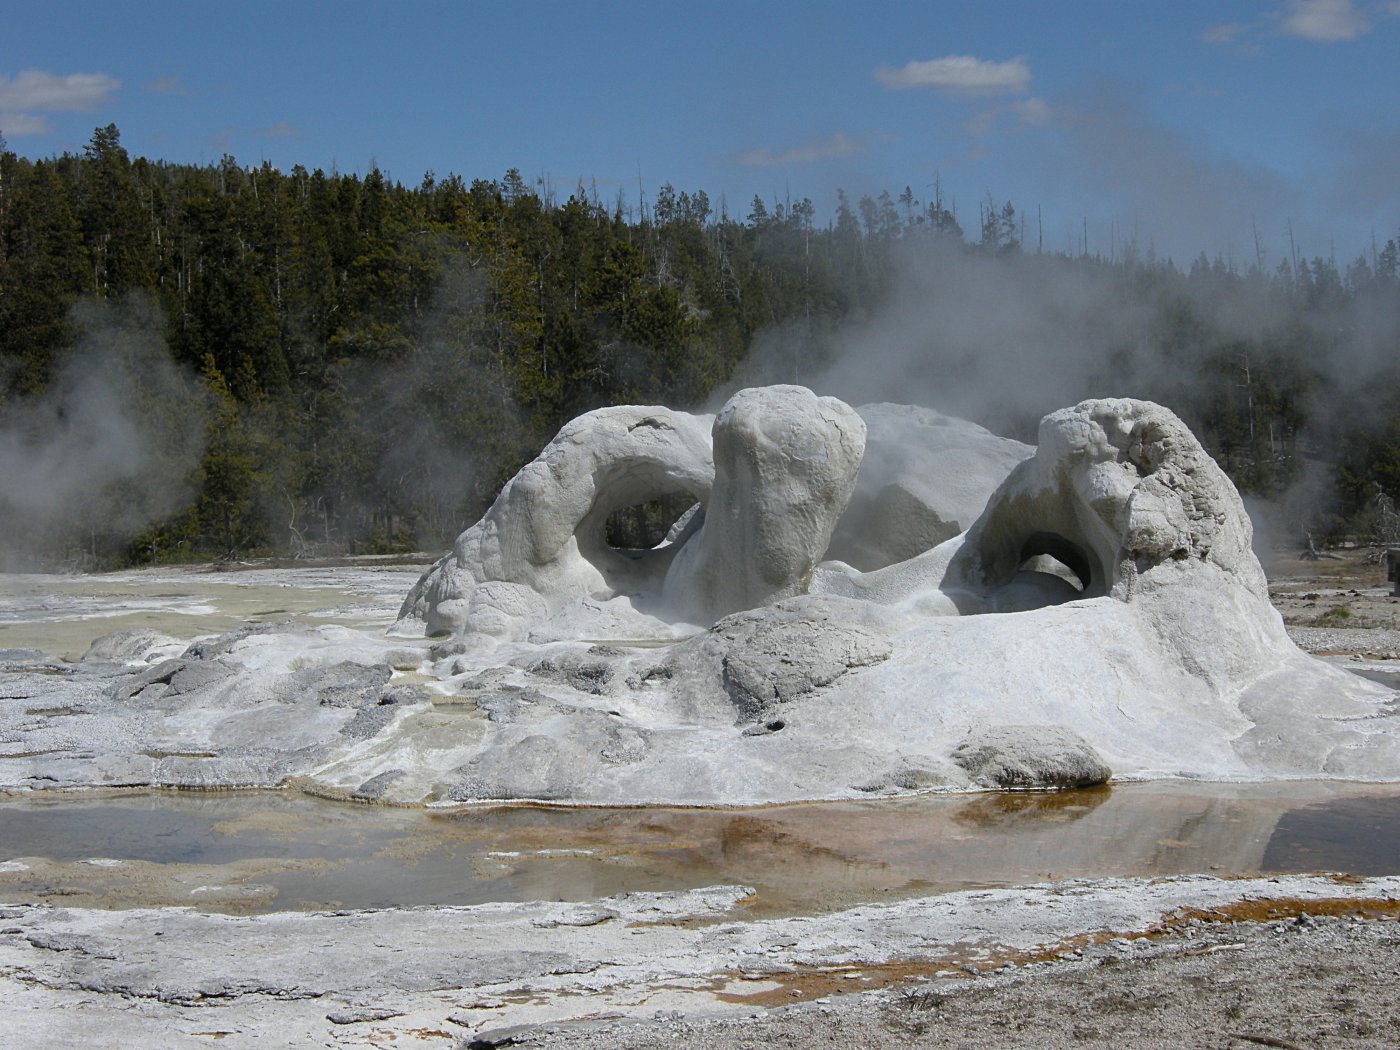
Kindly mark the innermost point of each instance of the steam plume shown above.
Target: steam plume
(106, 450)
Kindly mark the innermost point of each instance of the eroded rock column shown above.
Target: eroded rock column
(785, 467)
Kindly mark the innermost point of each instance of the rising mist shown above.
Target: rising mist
(1276, 372)
(109, 448)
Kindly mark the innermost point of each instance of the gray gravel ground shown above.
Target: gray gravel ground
(1376, 642)
(1306, 982)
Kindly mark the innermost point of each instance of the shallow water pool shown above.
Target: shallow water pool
(261, 851)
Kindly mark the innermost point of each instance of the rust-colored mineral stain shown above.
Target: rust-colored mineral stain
(806, 983)
(36, 754)
(1277, 909)
(179, 754)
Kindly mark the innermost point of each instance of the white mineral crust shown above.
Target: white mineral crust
(817, 628)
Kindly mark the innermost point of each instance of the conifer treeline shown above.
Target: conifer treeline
(370, 361)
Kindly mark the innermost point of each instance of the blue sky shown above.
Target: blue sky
(1182, 126)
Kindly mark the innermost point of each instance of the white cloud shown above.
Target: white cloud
(16, 124)
(1032, 111)
(281, 130)
(1022, 113)
(982, 124)
(1324, 21)
(167, 86)
(835, 147)
(34, 90)
(959, 74)
(1226, 33)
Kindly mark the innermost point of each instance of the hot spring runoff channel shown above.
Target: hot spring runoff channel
(266, 851)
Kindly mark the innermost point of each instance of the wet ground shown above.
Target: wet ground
(263, 851)
(62, 615)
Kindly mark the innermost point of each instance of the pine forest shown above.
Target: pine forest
(223, 361)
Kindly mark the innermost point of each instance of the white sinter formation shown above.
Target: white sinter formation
(863, 601)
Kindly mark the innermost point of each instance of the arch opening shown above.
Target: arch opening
(1053, 555)
(646, 525)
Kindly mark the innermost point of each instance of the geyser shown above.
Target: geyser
(1102, 611)
(865, 601)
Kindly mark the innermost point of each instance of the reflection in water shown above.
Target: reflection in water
(1356, 835)
(263, 850)
(1010, 809)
